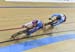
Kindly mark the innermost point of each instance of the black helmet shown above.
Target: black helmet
(58, 17)
(49, 18)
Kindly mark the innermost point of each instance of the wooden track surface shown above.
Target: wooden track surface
(15, 17)
(34, 4)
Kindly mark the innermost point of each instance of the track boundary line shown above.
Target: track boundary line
(37, 6)
(35, 36)
(21, 28)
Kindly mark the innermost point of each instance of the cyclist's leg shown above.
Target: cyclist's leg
(16, 34)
